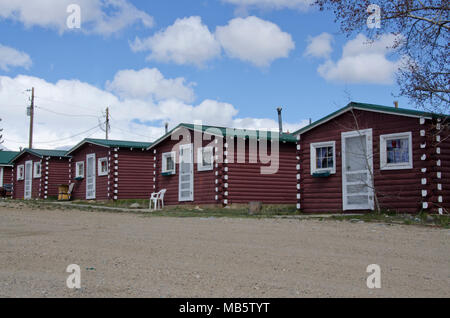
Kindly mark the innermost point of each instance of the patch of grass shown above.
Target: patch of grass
(268, 211)
(422, 219)
(125, 204)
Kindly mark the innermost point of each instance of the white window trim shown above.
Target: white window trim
(383, 153)
(200, 166)
(165, 155)
(313, 156)
(20, 167)
(35, 175)
(76, 169)
(100, 172)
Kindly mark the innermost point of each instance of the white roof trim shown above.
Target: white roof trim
(363, 109)
(83, 143)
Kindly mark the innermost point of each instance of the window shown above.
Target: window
(323, 157)
(103, 169)
(79, 173)
(37, 170)
(20, 172)
(168, 163)
(205, 159)
(396, 151)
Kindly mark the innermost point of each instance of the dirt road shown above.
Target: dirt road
(129, 255)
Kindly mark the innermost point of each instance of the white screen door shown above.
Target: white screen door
(186, 184)
(357, 167)
(90, 177)
(28, 180)
(1, 176)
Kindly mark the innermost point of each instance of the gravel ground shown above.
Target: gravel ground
(130, 255)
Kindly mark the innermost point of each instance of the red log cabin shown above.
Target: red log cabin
(6, 168)
(207, 165)
(364, 157)
(110, 170)
(37, 173)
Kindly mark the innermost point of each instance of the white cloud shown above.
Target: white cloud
(10, 57)
(97, 16)
(254, 40)
(319, 46)
(272, 4)
(363, 61)
(132, 118)
(187, 41)
(150, 83)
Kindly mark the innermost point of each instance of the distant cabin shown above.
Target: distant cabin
(6, 167)
(210, 165)
(38, 172)
(365, 153)
(110, 170)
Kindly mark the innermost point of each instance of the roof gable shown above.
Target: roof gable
(41, 153)
(372, 108)
(244, 133)
(7, 156)
(112, 144)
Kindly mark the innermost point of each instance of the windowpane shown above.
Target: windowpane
(397, 150)
(169, 164)
(325, 157)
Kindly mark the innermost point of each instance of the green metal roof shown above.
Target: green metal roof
(119, 143)
(112, 144)
(7, 156)
(243, 133)
(42, 153)
(370, 107)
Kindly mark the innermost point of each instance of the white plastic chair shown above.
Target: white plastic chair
(157, 198)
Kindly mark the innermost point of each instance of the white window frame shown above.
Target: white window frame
(35, 175)
(166, 155)
(313, 156)
(383, 152)
(20, 176)
(200, 166)
(100, 172)
(77, 170)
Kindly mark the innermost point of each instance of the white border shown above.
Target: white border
(99, 165)
(165, 155)
(383, 154)
(35, 175)
(313, 147)
(369, 144)
(200, 166)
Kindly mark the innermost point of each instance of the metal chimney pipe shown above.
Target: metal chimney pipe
(396, 104)
(280, 119)
(167, 127)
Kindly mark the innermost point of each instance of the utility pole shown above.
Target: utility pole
(31, 114)
(107, 122)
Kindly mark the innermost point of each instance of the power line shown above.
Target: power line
(58, 140)
(61, 102)
(66, 114)
(73, 136)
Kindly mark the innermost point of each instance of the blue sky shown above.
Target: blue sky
(241, 88)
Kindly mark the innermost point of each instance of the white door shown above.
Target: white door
(28, 180)
(1, 176)
(186, 184)
(357, 170)
(90, 177)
